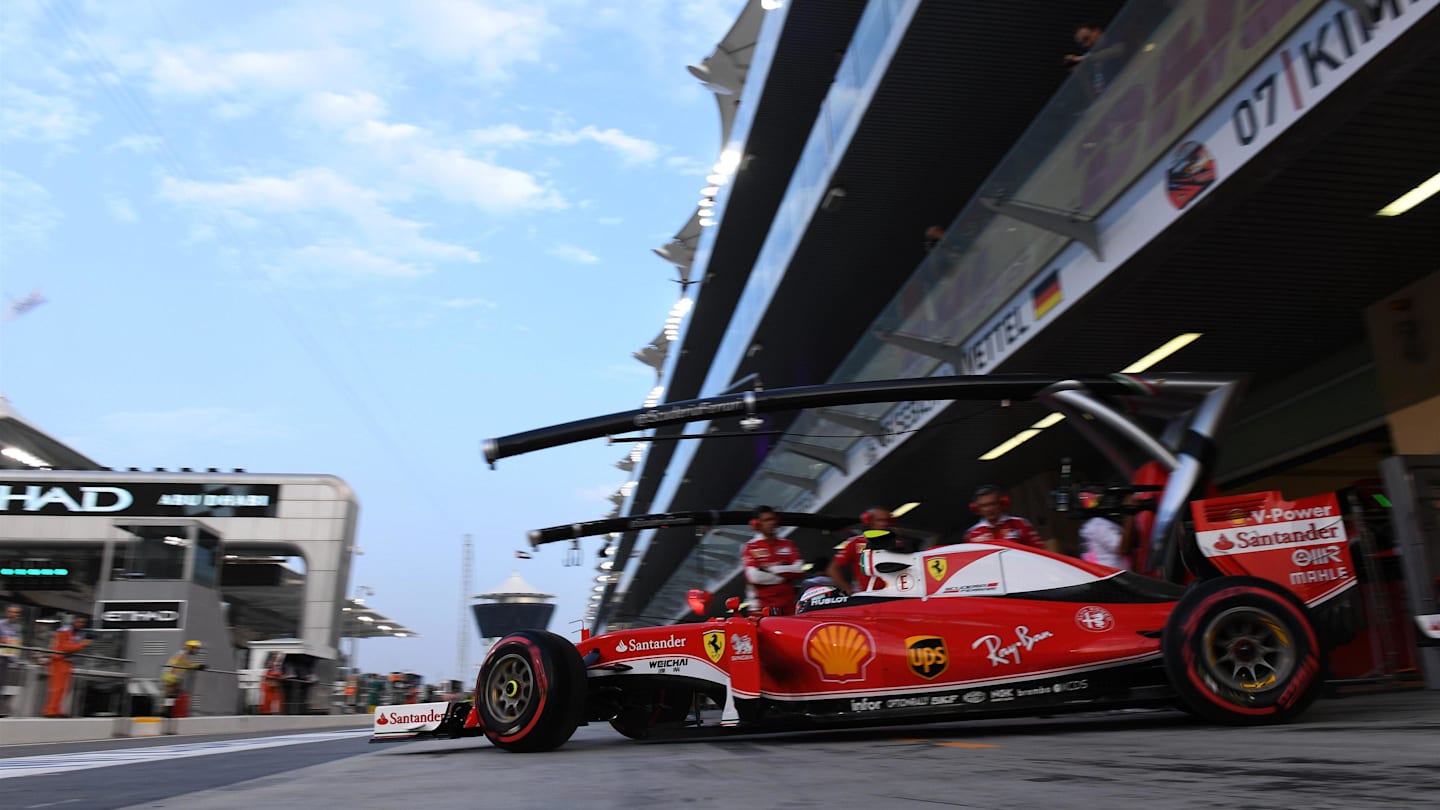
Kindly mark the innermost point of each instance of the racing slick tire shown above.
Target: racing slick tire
(1242, 651)
(531, 692)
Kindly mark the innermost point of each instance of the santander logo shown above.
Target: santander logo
(1224, 543)
(430, 716)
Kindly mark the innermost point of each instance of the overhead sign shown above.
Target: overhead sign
(124, 614)
(139, 499)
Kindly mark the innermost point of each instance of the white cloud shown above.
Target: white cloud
(496, 189)
(322, 192)
(121, 210)
(570, 253)
(468, 303)
(632, 150)
(184, 428)
(690, 166)
(29, 116)
(238, 81)
(503, 135)
(138, 144)
(339, 110)
(379, 132)
(489, 39)
(27, 216)
(338, 264)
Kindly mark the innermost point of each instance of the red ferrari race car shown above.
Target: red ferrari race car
(969, 630)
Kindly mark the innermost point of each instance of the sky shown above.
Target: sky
(355, 238)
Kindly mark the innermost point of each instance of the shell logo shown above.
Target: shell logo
(839, 652)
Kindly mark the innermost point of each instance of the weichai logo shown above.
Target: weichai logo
(927, 655)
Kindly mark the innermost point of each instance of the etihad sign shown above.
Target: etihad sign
(91, 499)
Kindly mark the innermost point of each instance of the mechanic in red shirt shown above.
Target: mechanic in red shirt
(772, 567)
(990, 503)
(845, 566)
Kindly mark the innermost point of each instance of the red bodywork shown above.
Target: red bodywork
(975, 627)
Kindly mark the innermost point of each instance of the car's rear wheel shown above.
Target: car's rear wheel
(1241, 651)
(531, 691)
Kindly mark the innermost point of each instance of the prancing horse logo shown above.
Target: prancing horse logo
(715, 644)
(936, 567)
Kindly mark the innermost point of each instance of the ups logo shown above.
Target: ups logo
(927, 655)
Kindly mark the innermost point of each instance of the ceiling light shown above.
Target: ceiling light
(706, 203)
(716, 179)
(382, 627)
(364, 619)
(706, 222)
(771, 5)
(729, 161)
(1010, 444)
(904, 509)
(1412, 198)
(401, 635)
(1049, 421)
(1175, 344)
(709, 191)
(28, 459)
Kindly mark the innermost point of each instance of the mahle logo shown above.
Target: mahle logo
(927, 655)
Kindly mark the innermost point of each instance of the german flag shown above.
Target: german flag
(1046, 294)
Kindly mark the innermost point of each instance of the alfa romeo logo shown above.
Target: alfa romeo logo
(1095, 619)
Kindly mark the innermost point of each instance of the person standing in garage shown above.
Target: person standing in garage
(772, 566)
(69, 639)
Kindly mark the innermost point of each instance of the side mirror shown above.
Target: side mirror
(732, 605)
(699, 601)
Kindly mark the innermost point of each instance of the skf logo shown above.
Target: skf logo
(715, 645)
(927, 655)
(937, 567)
(839, 652)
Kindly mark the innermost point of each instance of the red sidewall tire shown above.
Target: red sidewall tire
(550, 690)
(1194, 627)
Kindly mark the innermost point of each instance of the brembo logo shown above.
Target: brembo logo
(91, 499)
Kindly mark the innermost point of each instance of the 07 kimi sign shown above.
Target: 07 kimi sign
(134, 615)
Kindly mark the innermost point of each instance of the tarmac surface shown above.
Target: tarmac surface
(1357, 752)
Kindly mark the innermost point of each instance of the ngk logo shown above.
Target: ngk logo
(1315, 556)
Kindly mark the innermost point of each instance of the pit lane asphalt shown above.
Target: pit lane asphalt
(1357, 752)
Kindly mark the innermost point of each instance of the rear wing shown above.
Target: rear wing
(1195, 406)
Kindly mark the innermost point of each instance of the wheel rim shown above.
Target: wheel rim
(509, 688)
(1249, 650)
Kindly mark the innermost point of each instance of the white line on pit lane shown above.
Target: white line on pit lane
(81, 760)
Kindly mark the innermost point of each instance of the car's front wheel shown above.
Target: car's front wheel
(1242, 651)
(531, 691)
